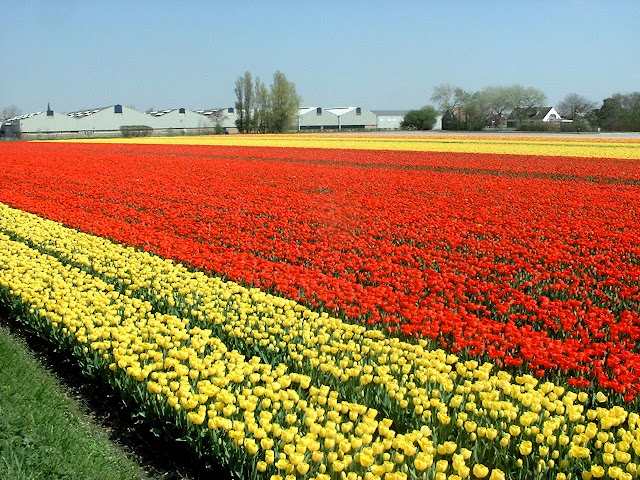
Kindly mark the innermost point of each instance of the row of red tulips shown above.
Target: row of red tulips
(530, 260)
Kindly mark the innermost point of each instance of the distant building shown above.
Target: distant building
(226, 117)
(106, 121)
(338, 118)
(533, 115)
(390, 119)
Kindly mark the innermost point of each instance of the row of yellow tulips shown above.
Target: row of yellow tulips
(303, 394)
(501, 144)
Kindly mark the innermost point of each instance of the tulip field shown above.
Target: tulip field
(349, 307)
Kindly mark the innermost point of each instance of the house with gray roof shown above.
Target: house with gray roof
(533, 115)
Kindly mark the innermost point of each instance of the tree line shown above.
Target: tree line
(260, 109)
(494, 106)
(620, 112)
(274, 109)
(266, 110)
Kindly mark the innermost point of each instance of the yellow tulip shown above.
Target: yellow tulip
(579, 452)
(366, 460)
(302, 468)
(337, 466)
(422, 461)
(480, 470)
(442, 465)
(622, 457)
(525, 447)
(497, 474)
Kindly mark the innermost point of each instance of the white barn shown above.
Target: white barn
(107, 121)
(338, 118)
(317, 118)
(390, 119)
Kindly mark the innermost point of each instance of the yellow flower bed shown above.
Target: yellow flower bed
(628, 148)
(303, 394)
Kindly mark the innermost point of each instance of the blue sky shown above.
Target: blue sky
(374, 54)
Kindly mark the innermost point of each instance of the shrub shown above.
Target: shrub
(422, 119)
(135, 130)
(540, 127)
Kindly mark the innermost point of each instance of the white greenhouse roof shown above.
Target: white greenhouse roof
(341, 110)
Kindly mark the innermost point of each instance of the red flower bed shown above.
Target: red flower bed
(531, 260)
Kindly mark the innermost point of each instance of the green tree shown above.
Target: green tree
(498, 101)
(284, 103)
(573, 106)
(461, 110)
(526, 99)
(422, 119)
(261, 115)
(464, 110)
(450, 101)
(477, 112)
(244, 102)
(620, 112)
(444, 95)
(266, 110)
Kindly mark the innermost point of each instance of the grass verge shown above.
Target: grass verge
(43, 432)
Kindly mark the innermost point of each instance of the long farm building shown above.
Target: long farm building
(114, 120)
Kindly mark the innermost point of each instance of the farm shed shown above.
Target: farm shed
(106, 121)
(226, 117)
(338, 118)
(390, 119)
(47, 121)
(317, 118)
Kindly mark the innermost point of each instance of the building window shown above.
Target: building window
(358, 111)
(319, 111)
(117, 108)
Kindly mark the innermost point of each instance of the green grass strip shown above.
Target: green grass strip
(43, 433)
